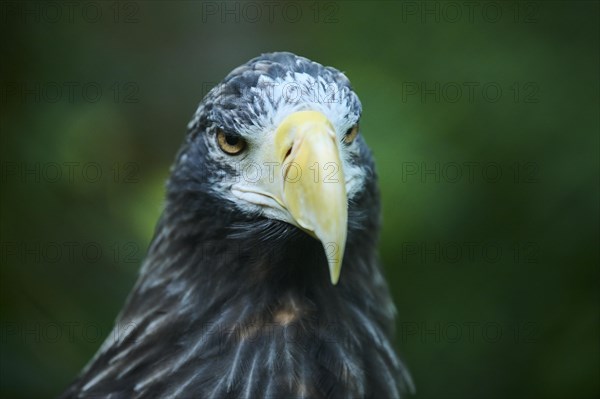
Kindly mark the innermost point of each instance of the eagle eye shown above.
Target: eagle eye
(351, 134)
(231, 144)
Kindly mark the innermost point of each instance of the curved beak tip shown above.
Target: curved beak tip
(334, 272)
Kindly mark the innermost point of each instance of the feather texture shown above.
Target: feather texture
(234, 304)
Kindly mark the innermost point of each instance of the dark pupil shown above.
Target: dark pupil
(231, 140)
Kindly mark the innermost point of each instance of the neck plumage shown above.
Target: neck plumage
(245, 308)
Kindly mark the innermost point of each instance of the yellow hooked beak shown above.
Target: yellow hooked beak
(314, 187)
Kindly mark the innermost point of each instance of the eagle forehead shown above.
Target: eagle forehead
(269, 101)
(278, 64)
(259, 94)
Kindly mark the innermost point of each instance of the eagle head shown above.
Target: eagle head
(262, 277)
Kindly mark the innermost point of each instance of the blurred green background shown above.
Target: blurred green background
(483, 119)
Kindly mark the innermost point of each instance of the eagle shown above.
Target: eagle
(262, 279)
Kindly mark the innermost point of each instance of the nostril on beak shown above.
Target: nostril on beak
(287, 154)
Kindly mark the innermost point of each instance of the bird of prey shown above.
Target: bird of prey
(262, 279)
